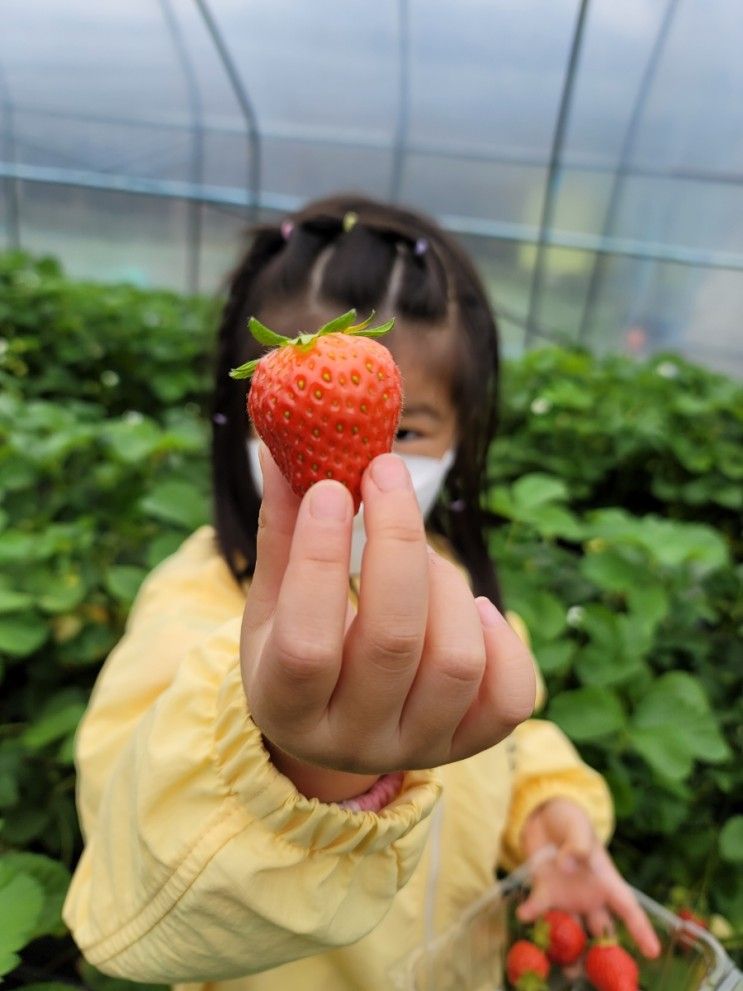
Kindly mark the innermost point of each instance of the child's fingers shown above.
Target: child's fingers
(507, 689)
(625, 906)
(622, 902)
(538, 901)
(450, 672)
(386, 639)
(276, 522)
(300, 661)
(599, 922)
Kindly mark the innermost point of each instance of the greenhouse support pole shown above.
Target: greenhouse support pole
(553, 173)
(193, 206)
(246, 106)
(11, 185)
(403, 100)
(623, 163)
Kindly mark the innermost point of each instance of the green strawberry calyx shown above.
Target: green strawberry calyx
(541, 934)
(344, 324)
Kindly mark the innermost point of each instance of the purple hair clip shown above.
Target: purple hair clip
(420, 247)
(219, 419)
(287, 226)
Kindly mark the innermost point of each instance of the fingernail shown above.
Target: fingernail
(329, 501)
(489, 615)
(389, 472)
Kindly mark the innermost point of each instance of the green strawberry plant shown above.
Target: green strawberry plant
(615, 497)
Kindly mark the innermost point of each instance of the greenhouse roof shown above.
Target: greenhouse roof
(589, 153)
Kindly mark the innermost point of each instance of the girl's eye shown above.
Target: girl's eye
(405, 433)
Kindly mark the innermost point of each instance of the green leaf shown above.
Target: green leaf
(59, 592)
(8, 788)
(664, 750)
(595, 665)
(622, 790)
(59, 718)
(17, 546)
(133, 441)
(673, 725)
(648, 604)
(555, 657)
(731, 840)
(90, 647)
(54, 880)
(23, 824)
(163, 546)
(553, 521)
(176, 502)
(21, 904)
(587, 713)
(123, 581)
(537, 489)
(21, 635)
(542, 612)
(611, 570)
(264, 335)
(11, 601)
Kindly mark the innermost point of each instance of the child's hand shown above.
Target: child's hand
(582, 877)
(422, 675)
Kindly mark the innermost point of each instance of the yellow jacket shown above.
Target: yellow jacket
(203, 863)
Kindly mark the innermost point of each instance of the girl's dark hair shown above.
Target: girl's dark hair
(435, 283)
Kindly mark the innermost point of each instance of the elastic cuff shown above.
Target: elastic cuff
(583, 786)
(245, 767)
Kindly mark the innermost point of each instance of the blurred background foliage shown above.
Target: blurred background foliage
(615, 498)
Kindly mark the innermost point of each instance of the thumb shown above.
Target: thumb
(276, 521)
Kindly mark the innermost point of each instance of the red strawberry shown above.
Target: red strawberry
(688, 915)
(527, 966)
(561, 936)
(610, 968)
(325, 403)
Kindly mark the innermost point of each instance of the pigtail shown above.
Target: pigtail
(236, 501)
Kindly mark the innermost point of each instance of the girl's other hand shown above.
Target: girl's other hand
(582, 878)
(422, 674)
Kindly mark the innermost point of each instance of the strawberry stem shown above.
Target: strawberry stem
(343, 324)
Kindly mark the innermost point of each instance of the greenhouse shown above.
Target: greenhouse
(588, 153)
(403, 653)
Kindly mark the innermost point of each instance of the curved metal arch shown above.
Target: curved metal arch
(10, 184)
(402, 122)
(246, 106)
(553, 173)
(197, 147)
(623, 163)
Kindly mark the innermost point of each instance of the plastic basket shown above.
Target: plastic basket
(469, 956)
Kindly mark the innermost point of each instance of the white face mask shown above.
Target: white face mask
(427, 475)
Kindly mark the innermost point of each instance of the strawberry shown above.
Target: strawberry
(560, 936)
(527, 966)
(325, 404)
(610, 968)
(688, 915)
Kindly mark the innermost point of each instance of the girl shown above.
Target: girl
(255, 783)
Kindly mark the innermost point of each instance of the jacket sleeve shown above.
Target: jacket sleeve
(546, 765)
(201, 861)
